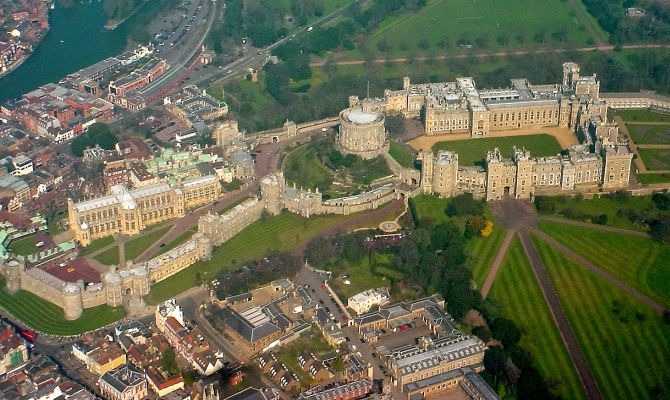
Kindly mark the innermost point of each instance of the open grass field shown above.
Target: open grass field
(179, 240)
(604, 205)
(521, 300)
(361, 277)
(135, 247)
(453, 25)
(653, 178)
(426, 206)
(625, 343)
(473, 152)
(303, 169)
(279, 233)
(482, 251)
(639, 262)
(401, 154)
(649, 134)
(642, 115)
(24, 247)
(109, 256)
(655, 159)
(47, 317)
(98, 244)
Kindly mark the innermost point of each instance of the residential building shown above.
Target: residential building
(362, 302)
(124, 383)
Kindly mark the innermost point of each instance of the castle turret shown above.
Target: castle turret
(113, 289)
(12, 270)
(72, 302)
(204, 246)
(272, 191)
(426, 157)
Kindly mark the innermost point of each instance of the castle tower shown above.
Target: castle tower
(272, 191)
(113, 289)
(445, 173)
(141, 284)
(72, 302)
(405, 83)
(426, 157)
(12, 270)
(570, 74)
(524, 173)
(204, 246)
(616, 169)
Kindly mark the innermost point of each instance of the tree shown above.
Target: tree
(474, 225)
(394, 124)
(169, 362)
(661, 200)
(482, 332)
(464, 204)
(545, 205)
(660, 229)
(495, 360)
(666, 316)
(506, 331)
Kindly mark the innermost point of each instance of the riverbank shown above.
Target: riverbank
(113, 24)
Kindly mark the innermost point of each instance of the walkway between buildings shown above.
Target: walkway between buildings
(631, 144)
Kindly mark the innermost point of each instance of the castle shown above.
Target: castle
(130, 211)
(459, 107)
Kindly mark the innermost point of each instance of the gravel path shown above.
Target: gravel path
(488, 283)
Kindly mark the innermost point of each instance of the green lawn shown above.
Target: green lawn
(655, 159)
(47, 317)
(653, 178)
(181, 239)
(451, 25)
(649, 134)
(303, 169)
(473, 151)
(401, 154)
(361, 277)
(231, 206)
(604, 205)
(427, 206)
(521, 300)
(98, 244)
(278, 233)
(109, 256)
(24, 247)
(642, 115)
(482, 251)
(625, 343)
(631, 259)
(137, 246)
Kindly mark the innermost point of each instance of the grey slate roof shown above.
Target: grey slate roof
(249, 332)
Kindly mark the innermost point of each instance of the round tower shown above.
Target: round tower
(113, 289)
(72, 302)
(205, 246)
(141, 283)
(362, 132)
(12, 270)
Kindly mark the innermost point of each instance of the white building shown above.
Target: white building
(168, 309)
(362, 302)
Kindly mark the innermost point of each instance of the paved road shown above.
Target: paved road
(488, 283)
(595, 226)
(498, 54)
(567, 251)
(550, 296)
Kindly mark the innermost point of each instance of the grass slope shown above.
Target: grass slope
(482, 251)
(628, 352)
(520, 298)
(109, 256)
(630, 259)
(426, 206)
(473, 151)
(279, 233)
(98, 244)
(47, 317)
(401, 154)
(135, 247)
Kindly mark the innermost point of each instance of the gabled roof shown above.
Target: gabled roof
(245, 329)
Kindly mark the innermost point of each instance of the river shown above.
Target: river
(77, 39)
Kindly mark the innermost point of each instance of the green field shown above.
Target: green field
(401, 154)
(482, 251)
(47, 317)
(303, 169)
(179, 240)
(604, 205)
(521, 300)
(232, 205)
(451, 25)
(625, 343)
(426, 206)
(473, 151)
(655, 159)
(279, 233)
(361, 277)
(642, 115)
(24, 247)
(631, 259)
(137, 246)
(109, 256)
(649, 134)
(98, 244)
(653, 178)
